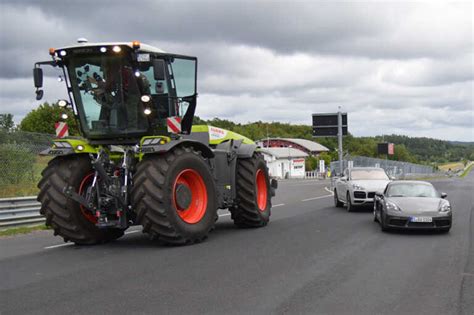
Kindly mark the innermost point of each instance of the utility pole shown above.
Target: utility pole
(339, 139)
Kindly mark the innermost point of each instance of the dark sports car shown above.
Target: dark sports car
(412, 205)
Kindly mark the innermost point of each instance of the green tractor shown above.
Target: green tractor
(140, 160)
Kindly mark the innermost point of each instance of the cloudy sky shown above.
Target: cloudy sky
(395, 67)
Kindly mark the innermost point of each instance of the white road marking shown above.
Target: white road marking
(134, 231)
(329, 191)
(314, 198)
(304, 184)
(59, 245)
(278, 205)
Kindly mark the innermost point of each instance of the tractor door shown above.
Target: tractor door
(183, 74)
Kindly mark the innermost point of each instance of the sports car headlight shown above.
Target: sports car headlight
(445, 207)
(357, 187)
(392, 207)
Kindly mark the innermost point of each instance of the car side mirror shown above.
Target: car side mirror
(159, 69)
(391, 177)
(444, 195)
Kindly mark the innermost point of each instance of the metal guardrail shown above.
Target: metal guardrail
(19, 211)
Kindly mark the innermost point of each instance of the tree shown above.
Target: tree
(43, 119)
(6, 122)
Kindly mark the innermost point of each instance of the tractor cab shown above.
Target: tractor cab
(121, 92)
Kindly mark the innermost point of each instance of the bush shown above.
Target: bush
(16, 163)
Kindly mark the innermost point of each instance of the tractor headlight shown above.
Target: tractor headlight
(62, 103)
(145, 98)
(152, 141)
(62, 144)
(444, 206)
(392, 206)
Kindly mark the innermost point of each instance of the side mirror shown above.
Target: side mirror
(392, 178)
(159, 69)
(444, 195)
(38, 77)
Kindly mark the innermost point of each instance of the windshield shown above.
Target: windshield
(107, 94)
(412, 190)
(368, 174)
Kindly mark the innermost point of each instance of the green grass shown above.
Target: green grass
(467, 170)
(23, 230)
(454, 166)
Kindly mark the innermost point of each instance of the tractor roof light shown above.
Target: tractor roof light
(64, 116)
(116, 49)
(62, 53)
(145, 98)
(136, 44)
(103, 49)
(62, 103)
(147, 111)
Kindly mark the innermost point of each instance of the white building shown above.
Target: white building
(285, 162)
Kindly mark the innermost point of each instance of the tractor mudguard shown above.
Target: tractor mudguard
(246, 150)
(63, 147)
(163, 148)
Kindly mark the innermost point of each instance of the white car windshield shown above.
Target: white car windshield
(368, 174)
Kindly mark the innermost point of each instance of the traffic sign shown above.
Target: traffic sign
(385, 148)
(326, 125)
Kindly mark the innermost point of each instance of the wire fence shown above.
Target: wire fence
(396, 169)
(20, 164)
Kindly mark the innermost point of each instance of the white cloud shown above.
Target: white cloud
(404, 67)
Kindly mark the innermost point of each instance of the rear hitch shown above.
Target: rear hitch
(71, 194)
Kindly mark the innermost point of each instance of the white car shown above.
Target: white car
(358, 185)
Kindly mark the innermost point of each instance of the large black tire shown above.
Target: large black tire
(153, 196)
(337, 202)
(63, 214)
(253, 193)
(383, 223)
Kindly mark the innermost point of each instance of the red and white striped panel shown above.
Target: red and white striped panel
(61, 129)
(174, 124)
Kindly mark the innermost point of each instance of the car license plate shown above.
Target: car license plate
(421, 219)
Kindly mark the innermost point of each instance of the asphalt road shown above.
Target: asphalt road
(312, 258)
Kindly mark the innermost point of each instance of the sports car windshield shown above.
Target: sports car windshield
(107, 95)
(412, 190)
(368, 174)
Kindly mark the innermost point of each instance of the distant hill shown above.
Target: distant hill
(462, 143)
(409, 149)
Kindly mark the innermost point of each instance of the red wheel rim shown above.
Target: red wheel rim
(262, 190)
(198, 205)
(85, 183)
